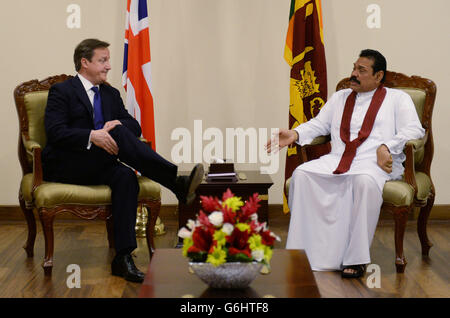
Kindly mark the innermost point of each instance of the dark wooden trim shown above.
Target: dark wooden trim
(14, 213)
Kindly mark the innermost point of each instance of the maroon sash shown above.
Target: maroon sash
(366, 128)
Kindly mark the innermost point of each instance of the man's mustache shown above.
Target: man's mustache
(353, 79)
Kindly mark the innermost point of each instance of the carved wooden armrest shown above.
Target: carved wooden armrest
(410, 170)
(417, 144)
(34, 149)
(411, 147)
(320, 140)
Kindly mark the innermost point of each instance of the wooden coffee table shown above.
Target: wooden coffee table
(168, 277)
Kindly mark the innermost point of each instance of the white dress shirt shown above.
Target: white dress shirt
(395, 124)
(90, 93)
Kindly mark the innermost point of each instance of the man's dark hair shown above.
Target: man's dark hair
(379, 61)
(86, 50)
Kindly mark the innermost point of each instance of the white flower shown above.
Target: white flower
(254, 217)
(216, 218)
(264, 226)
(258, 255)
(184, 233)
(227, 228)
(258, 227)
(191, 224)
(275, 236)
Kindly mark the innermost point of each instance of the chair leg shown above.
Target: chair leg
(31, 222)
(47, 216)
(400, 218)
(153, 214)
(422, 225)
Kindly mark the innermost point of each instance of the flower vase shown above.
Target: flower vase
(234, 275)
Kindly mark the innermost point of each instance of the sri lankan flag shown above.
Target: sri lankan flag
(305, 53)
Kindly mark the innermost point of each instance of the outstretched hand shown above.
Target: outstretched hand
(283, 138)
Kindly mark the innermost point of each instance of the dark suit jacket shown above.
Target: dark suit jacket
(69, 121)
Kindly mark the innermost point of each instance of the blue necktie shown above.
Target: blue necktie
(98, 115)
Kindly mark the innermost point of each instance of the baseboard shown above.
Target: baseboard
(14, 213)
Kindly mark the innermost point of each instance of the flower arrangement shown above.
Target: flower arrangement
(228, 230)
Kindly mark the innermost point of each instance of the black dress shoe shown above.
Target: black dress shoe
(186, 186)
(123, 266)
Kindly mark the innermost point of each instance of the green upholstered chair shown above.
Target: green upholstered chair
(50, 199)
(416, 189)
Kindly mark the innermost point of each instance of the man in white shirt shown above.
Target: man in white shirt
(335, 200)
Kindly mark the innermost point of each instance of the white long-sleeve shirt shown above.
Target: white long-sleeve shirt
(395, 124)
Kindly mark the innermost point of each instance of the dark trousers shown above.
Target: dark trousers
(96, 166)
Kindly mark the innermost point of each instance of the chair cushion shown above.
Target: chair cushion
(35, 103)
(423, 186)
(398, 193)
(418, 97)
(25, 187)
(50, 194)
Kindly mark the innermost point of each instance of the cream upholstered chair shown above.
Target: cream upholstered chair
(51, 199)
(416, 189)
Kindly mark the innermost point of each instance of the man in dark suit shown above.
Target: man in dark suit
(90, 135)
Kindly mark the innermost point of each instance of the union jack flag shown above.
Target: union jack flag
(136, 68)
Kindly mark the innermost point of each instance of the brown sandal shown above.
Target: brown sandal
(358, 271)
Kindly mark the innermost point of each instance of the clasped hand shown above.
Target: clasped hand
(102, 139)
(384, 158)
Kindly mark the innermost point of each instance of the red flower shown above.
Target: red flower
(210, 204)
(255, 226)
(194, 249)
(202, 239)
(227, 194)
(234, 251)
(238, 239)
(228, 215)
(250, 207)
(266, 238)
(203, 219)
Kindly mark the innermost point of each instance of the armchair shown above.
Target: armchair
(416, 189)
(50, 198)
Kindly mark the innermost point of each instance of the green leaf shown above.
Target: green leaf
(240, 257)
(198, 257)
